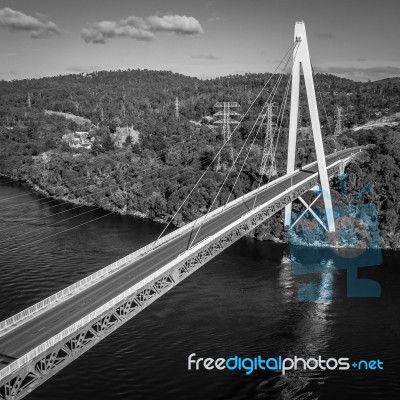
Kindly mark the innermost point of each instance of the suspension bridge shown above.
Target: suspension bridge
(38, 342)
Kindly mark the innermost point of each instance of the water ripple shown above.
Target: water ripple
(244, 302)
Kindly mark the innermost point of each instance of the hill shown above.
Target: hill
(150, 177)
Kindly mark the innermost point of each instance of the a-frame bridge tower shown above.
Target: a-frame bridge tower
(301, 60)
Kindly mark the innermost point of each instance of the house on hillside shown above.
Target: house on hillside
(78, 140)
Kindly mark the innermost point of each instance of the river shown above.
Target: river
(243, 302)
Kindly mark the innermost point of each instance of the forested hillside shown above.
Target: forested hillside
(152, 176)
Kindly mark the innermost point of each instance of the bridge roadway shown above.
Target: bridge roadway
(25, 337)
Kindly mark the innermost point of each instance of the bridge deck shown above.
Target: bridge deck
(21, 339)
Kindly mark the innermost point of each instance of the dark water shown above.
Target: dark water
(244, 302)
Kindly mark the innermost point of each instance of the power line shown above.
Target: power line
(44, 227)
(16, 237)
(5, 181)
(46, 200)
(157, 158)
(280, 116)
(322, 100)
(267, 104)
(323, 105)
(170, 176)
(272, 94)
(243, 116)
(59, 233)
(168, 149)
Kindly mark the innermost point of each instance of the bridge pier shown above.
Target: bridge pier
(342, 167)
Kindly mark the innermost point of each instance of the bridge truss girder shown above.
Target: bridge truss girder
(38, 370)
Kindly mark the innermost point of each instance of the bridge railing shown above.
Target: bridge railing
(92, 279)
(24, 360)
(88, 281)
(20, 362)
(99, 311)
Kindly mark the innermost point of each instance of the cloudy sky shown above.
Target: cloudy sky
(358, 39)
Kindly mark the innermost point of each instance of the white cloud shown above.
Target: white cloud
(38, 27)
(180, 24)
(130, 27)
(139, 28)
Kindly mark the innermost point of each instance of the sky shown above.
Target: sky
(203, 38)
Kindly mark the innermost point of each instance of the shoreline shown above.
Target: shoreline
(77, 201)
(80, 202)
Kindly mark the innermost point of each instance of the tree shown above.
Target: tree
(128, 141)
(65, 147)
(108, 143)
(114, 124)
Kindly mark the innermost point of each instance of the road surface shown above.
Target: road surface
(36, 331)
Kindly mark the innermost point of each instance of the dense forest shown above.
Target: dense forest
(150, 177)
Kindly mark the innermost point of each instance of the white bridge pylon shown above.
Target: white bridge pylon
(301, 58)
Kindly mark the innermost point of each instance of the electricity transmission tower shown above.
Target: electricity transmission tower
(44, 160)
(177, 108)
(338, 127)
(226, 113)
(268, 166)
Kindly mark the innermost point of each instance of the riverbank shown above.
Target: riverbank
(266, 232)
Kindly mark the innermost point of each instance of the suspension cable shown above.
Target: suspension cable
(43, 227)
(58, 233)
(170, 175)
(169, 149)
(322, 100)
(15, 237)
(273, 135)
(157, 158)
(224, 144)
(272, 94)
(281, 113)
(233, 164)
(252, 144)
(284, 101)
